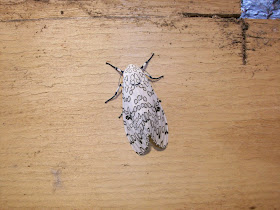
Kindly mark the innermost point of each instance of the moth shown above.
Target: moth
(143, 116)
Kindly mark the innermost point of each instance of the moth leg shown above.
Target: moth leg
(116, 93)
(146, 63)
(148, 75)
(116, 68)
(120, 116)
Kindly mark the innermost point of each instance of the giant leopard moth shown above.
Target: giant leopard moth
(142, 112)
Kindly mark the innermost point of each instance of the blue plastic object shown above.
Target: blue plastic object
(260, 9)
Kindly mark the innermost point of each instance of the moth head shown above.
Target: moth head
(131, 68)
(132, 75)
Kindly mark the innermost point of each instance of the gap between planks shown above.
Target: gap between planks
(243, 24)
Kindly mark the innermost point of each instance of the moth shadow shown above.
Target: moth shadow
(152, 144)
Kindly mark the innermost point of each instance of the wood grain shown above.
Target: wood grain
(14, 10)
(63, 147)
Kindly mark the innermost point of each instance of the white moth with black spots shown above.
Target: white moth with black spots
(142, 112)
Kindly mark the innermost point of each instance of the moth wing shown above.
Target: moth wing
(151, 114)
(159, 126)
(134, 125)
(143, 115)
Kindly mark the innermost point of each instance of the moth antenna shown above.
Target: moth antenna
(116, 68)
(146, 63)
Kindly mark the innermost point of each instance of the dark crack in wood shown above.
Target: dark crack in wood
(205, 15)
(244, 28)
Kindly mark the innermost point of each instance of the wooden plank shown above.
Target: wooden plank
(263, 42)
(44, 9)
(61, 146)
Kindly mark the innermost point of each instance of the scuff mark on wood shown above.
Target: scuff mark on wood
(57, 179)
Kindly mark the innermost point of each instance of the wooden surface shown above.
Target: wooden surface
(62, 146)
(22, 10)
